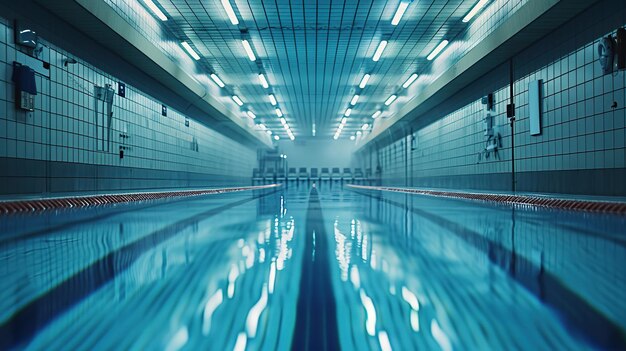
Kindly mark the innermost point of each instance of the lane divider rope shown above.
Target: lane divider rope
(36, 205)
(618, 208)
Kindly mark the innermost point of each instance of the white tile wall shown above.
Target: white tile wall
(580, 130)
(62, 126)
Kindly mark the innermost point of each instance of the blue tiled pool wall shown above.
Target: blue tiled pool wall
(582, 139)
(56, 148)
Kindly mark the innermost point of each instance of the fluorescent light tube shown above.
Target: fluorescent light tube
(263, 81)
(410, 81)
(279, 113)
(379, 50)
(343, 121)
(348, 112)
(155, 9)
(354, 100)
(248, 48)
(230, 12)
(376, 114)
(399, 12)
(292, 137)
(364, 81)
(437, 50)
(217, 80)
(237, 100)
(272, 99)
(251, 114)
(283, 121)
(190, 50)
(390, 100)
(365, 126)
(474, 10)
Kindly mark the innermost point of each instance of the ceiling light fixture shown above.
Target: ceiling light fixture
(248, 48)
(251, 114)
(230, 12)
(276, 137)
(379, 50)
(364, 81)
(348, 112)
(399, 12)
(365, 126)
(474, 10)
(237, 100)
(437, 50)
(217, 80)
(354, 100)
(376, 114)
(263, 81)
(190, 50)
(283, 121)
(410, 81)
(155, 9)
(279, 113)
(343, 121)
(272, 99)
(390, 100)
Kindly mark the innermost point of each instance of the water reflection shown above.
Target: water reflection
(391, 272)
(457, 264)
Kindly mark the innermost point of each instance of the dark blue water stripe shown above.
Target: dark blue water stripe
(579, 316)
(17, 331)
(316, 315)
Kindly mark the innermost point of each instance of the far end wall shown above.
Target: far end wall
(318, 153)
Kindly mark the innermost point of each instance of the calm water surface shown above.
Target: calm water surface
(319, 269)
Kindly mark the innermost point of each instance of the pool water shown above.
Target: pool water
(308, 268)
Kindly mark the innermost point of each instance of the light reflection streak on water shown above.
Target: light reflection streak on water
(440, 336)
(370, 310)
(232, 277)
(240, 344)
(412, 300)
(342, 252)
(354, 277)
(252, 321)
(272, 278)
(284, 250)
(211, 305)
(179, 340)
(383, 339)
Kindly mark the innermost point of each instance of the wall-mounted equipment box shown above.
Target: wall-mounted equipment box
(620, 41)
(534, 107)
(25, 86)
(121, 89)
(25, 36)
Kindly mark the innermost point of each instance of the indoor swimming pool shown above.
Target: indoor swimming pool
(320, 268)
